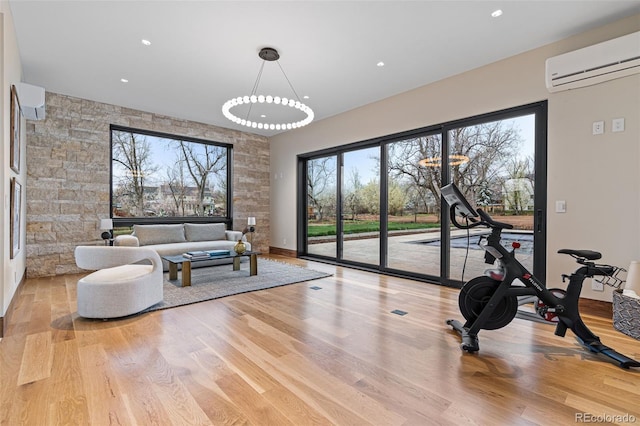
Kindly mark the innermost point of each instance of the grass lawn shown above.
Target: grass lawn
(365, 226)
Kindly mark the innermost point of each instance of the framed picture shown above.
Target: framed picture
(15, 130)
(16, 202)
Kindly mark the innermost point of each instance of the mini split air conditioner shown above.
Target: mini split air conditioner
(31, 101)
(601, 62)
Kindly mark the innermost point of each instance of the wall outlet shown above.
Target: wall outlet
(597, 286)
(598, 127)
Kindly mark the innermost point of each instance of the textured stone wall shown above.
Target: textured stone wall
(67, 189)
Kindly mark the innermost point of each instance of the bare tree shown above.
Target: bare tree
(396, 199)
(177, 186)
(403, 167)
(201, 164)
(353, 194)
(487, 146)
(371, 197)
(321, 174)
(518, 187)
(132, 152)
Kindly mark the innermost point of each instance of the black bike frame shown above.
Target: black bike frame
(533, 287)
(566, 307)
(513, 270)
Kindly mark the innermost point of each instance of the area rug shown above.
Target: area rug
(220, 281)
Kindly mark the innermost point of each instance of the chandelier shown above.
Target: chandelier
(268, 54)
(454, 160)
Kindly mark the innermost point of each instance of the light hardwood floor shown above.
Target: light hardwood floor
(296, 356)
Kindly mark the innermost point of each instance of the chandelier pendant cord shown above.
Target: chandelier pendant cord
(287, 78)
(255, 87)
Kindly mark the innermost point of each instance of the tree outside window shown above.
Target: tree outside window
(164, 176)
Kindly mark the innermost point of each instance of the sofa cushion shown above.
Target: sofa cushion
(205, 231)
(159, 234)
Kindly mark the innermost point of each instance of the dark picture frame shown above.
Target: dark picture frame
(15, 130)
(15, 212)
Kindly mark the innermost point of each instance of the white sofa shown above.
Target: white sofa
(176, 239)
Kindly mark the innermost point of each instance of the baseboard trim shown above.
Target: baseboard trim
(597, 308)
(283, 252)
(4, 321)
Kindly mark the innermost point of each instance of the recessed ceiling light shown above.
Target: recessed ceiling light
(124, 80)
(496, 13)
(263, 116)
(305, 97)
(146, 42)
(380, 64)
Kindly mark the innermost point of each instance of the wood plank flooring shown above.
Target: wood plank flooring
(297, 356)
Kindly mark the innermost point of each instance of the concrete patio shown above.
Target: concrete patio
(408, 252)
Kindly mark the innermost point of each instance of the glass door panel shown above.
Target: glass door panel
(493, 165)
(321, 206)
(360, 191)
(413, 205)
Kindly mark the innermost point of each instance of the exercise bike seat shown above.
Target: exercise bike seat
(584, 254)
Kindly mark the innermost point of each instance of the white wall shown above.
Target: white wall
(596, 175)
(11, 72)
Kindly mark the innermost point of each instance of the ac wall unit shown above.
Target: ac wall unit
(31, 101)
(604, 61)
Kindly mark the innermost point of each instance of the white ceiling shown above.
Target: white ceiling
(205, 52)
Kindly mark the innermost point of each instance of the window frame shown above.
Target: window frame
(119, 222)
(540, 108)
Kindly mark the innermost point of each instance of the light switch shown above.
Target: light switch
(561, 206)
(617, 125)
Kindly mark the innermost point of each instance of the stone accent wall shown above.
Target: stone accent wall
(68, 169)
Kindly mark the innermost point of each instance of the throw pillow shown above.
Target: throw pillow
(205, 231)
(159, 234)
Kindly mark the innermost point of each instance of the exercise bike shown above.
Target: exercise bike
(491, 302)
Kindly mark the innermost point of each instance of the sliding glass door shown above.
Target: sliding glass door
(360, 206)
(394, 221)
(493, 164)
(413, 205)
(320, 207)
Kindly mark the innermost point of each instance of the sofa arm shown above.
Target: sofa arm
(235, 236)
(126, 240)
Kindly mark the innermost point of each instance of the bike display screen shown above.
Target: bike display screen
(454, 197)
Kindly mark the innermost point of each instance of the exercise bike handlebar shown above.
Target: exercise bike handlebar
(492, 223)
(485, 220)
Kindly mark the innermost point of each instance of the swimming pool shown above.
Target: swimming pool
(525, 240)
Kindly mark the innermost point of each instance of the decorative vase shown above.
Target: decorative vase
(240, 248)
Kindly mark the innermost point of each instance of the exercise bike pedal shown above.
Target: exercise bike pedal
(561, 329)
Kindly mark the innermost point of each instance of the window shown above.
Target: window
(352, 214)
(165, 178)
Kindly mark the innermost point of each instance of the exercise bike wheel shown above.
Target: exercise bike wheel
(475, 295)
(541, 307)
